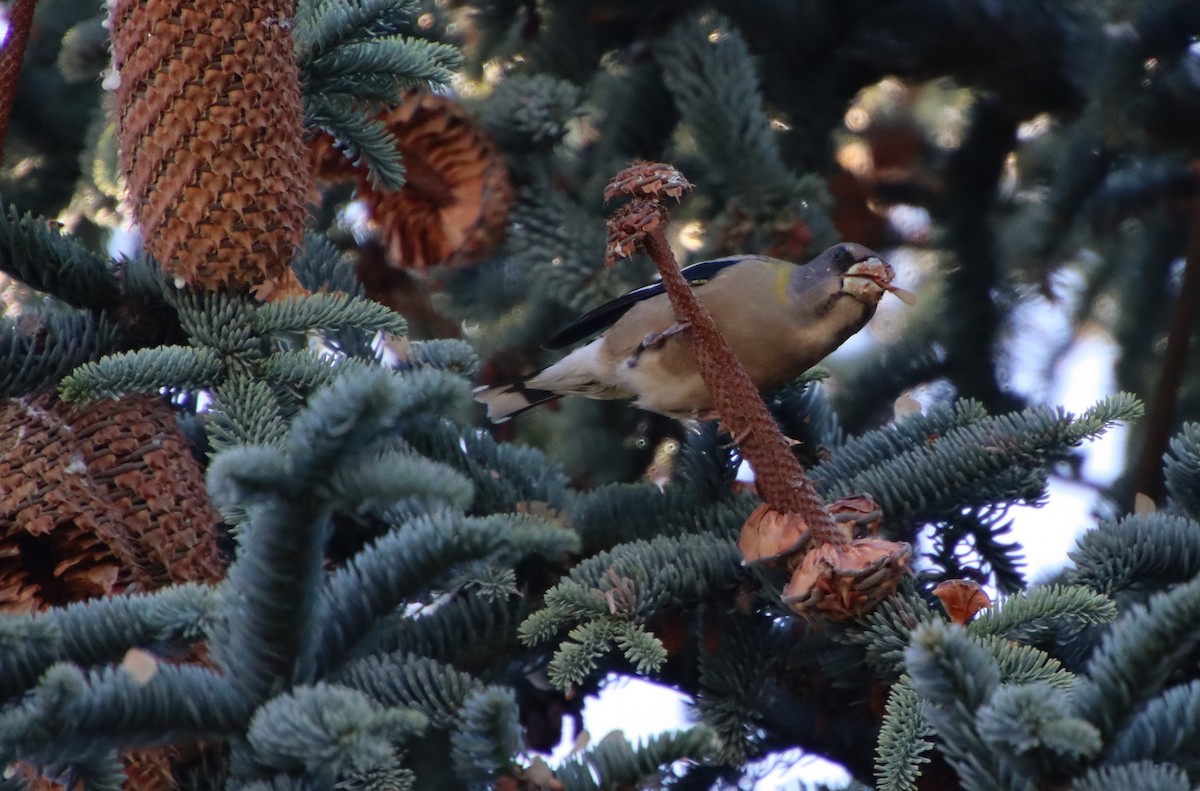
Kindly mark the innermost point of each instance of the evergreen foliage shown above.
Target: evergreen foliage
(418, 600)
(707, 68)
(732, 682)
(354, 60)
(902, 739)
(30, 361)
(42, 257)
(1183, 470)
(615, 763)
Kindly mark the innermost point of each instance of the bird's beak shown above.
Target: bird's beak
(867, 280)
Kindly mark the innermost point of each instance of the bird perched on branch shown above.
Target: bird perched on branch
(779, 319)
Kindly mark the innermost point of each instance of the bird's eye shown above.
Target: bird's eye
(843, 259)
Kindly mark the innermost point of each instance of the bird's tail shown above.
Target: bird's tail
(505, 401)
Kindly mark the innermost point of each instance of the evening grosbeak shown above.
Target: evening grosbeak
(779, 319)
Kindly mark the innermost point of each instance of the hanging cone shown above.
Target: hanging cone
(210, 125)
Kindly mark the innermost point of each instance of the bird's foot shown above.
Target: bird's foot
(740, 437)
(655, 340)
(737, 439)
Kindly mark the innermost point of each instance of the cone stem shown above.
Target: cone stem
(781, 478)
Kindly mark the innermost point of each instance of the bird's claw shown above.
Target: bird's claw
(738, 438)
(655, 340)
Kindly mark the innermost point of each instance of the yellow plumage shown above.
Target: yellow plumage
(779, 319)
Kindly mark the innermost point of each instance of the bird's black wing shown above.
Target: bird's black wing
(603, 317)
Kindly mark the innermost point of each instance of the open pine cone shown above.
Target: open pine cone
(455, 201)
(846, 580)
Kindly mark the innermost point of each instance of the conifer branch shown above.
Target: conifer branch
(902, 744)
(1142, 774)
(245, 411)
(381, 69)
(1138, 655)
(956, 676)
(31, 360)
(435, 689)
(364, 140)
(614, 762)
(100, 631)
(101, 770)
(1139, 551)
(531, 112)
(927, 480)
(404, 561)
(1024, 664)
(276, 579)
(490, 734)
(143, 371)
(506, 476)
(619, 513)
(218, 320)
(555, 237)
(354, 61)
(327, 732)
(879, 445)
(1165, 730)
(391, 474)
(41, 256)
(304, 370)
(321, 266)
(323, 25)
(734, 684)
(610, 593)
(1182, 470)
(886, 631)
(1034, 615)
(71, 712)
(470, 630)
(334, 312)
(1030, 725)
(444, 354)
(708, 69)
